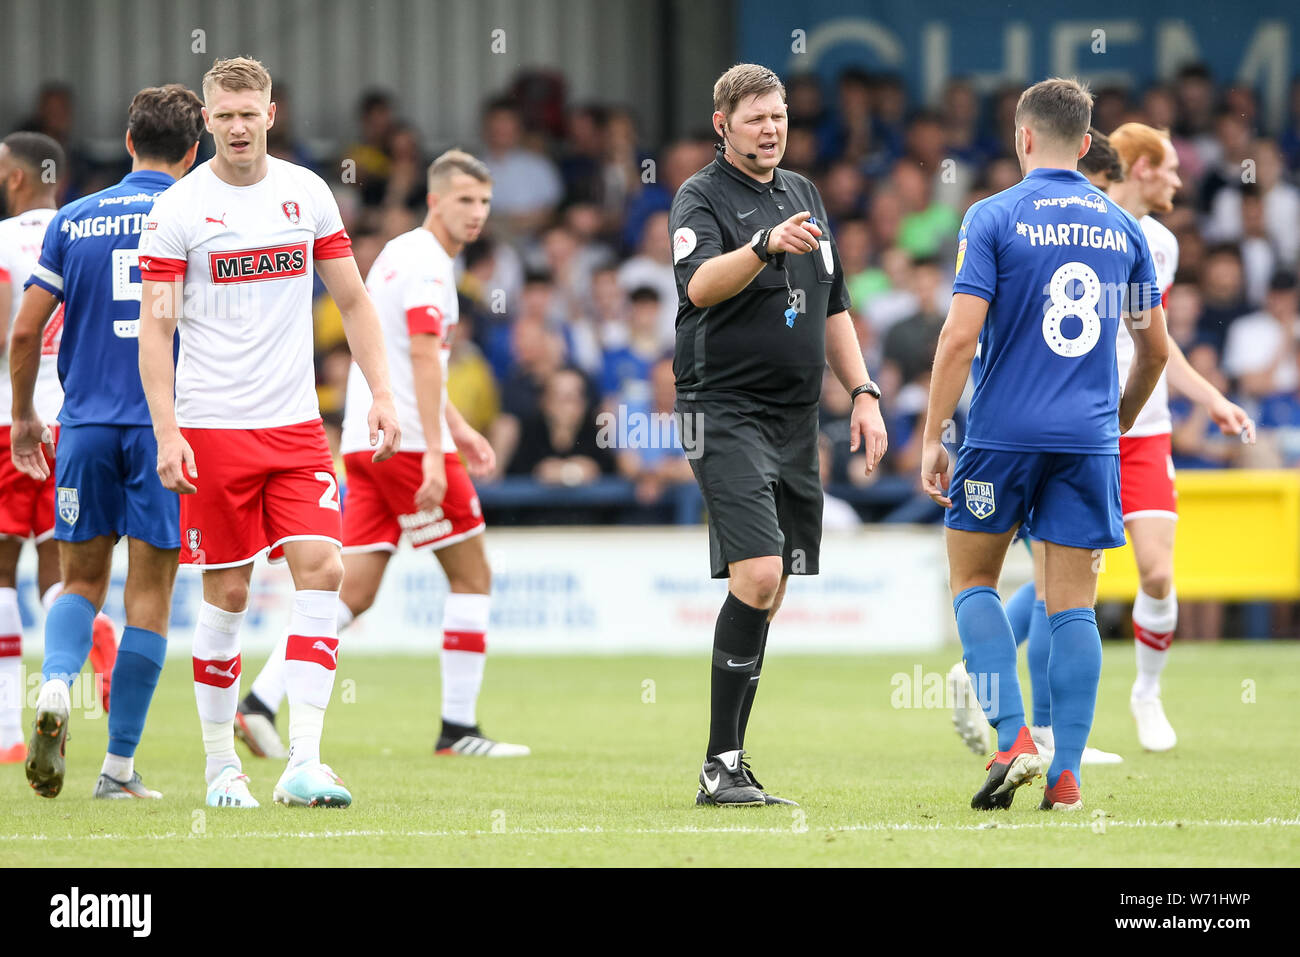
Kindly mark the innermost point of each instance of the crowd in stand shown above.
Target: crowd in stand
(568, 303)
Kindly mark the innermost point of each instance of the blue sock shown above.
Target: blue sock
(68, 628)
(139, 662)
(989, 650)
(1073, 673)
(1040, 650)
(1020, 610)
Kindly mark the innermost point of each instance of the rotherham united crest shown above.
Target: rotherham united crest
(192, 538)
(291, 211)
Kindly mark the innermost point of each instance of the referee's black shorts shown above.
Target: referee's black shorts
(757, 467)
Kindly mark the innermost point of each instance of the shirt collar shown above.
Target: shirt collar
(778, 182)
(1064, 175)
(148, 177)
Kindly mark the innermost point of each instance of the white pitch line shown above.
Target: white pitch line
(544, 831)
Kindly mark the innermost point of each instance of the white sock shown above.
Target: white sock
(464, 654)
(118, 768)
(1154, 621)
(11, 667)
(51, 593)
(269, 683)
(216, 684)
(54, 696)
(1045, 734)
(345, 616)
(311, 660)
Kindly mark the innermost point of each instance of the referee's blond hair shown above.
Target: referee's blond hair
(741, 81)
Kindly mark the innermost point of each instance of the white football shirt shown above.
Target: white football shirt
(246, 254)
(1154, 419)
(413, 287)
(20, 247)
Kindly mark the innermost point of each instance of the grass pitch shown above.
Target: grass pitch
(617, 744)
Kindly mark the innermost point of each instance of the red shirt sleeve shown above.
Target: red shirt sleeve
(334, 246)
(154, 269)
(4, 274)
(424, 319)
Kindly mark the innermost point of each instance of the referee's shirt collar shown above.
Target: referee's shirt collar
(778, 182)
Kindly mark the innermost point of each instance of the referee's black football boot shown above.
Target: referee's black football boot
(725, 781)
(1007, 771)
(767, 798)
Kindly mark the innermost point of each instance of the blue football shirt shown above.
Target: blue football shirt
(90, 261)
(1059, 264)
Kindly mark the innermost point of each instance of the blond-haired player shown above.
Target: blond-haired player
(243, 441)
(424, 490)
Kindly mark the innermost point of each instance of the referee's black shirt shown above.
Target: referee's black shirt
(743, 346)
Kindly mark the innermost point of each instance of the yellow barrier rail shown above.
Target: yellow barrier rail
(1238, 539)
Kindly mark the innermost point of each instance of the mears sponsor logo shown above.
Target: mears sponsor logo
(132, 911)
(256, 265)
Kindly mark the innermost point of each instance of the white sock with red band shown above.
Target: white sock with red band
(464, 653)
(11, 666)
(216, 684)
(311, 659)
(1154, 621)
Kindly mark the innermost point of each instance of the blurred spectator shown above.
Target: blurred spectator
(1260, 351)
(1223, 294)
(843, 193)
(280, 140)
(625, 376)
(910, 344)
(471, 386)
(652, 266)
(678, 162)
(623, 167)
(538, 354)
(891, 297)
(1109, 107)
(407, 186)
(558, 444)
(526, 186)
(583, 165)
(660, 463)
(949, 178)
(370, 153)
(609, 307)
(1258, 257)
(55, 115)
(801, 150)
(1289, 141)
(928, 227)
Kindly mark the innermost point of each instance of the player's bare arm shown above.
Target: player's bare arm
(844, 356)
(366, 340)
(952, 359)
(1150, 353)
(1227, 415)
(159, 304)
(28, 432)
(426, 371)
(480, 457)
(725, 276)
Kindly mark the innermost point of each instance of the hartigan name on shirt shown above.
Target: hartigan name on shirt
(1073, 234)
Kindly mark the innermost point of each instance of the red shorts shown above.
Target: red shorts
(381, 504)
(258, 488)
(26, 505)
(1146, 477)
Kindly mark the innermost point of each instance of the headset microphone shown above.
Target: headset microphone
(727, 141)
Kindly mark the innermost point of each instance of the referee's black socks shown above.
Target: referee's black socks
(737, 645)
(751, 689)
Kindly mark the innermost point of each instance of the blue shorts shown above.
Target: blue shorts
(1068, 498)
(107, 484)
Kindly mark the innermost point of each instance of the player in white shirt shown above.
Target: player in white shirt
(27, 505)
(424, 490)
(243, 441)
(1146, 465)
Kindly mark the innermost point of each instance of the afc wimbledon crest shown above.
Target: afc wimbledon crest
(69, 505)
(291, 211)
(979, 499)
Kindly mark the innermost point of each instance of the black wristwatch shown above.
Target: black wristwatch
(869, 387)
(759, 244)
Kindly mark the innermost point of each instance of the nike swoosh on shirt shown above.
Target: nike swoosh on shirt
(748, 214)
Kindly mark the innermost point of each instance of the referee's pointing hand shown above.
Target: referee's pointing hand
(795, 235)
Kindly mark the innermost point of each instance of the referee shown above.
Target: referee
(761, 310)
